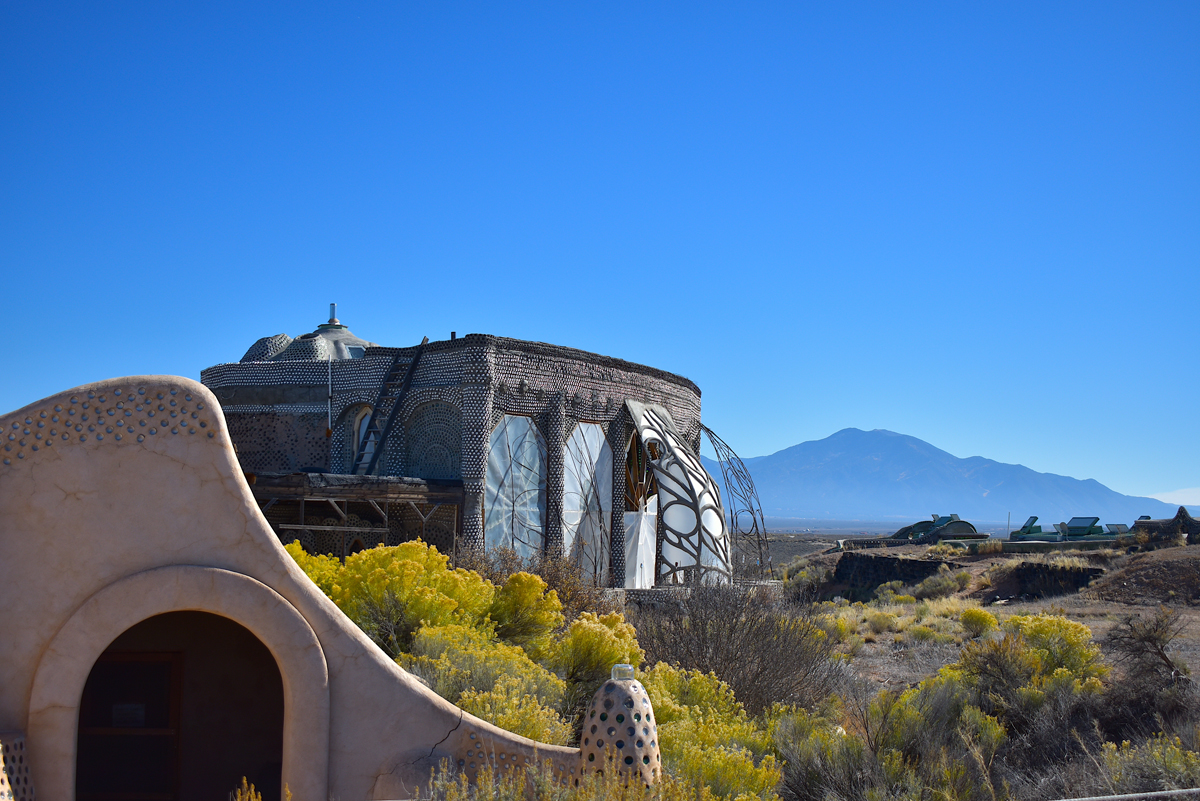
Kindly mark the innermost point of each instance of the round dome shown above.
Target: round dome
(331, 340)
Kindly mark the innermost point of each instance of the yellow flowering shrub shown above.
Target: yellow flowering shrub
(977, 622)
(1161, 763)
(420, 577)
(323, 570)
(706, 737)
(455, 659)
(526, 613)
(591, 645)
(1059, 643)
(510, 706)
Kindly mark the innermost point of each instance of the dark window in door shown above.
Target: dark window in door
(129, 728)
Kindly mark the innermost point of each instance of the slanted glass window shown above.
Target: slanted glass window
(356, 351)
(587, 500)
(363, 445)
(514, 497)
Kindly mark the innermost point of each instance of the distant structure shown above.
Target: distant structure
(1181, 525)
(1088, 528)
(1080, 527)
(939, 527)
(923, 532)
(480, 442)
(1033, 533)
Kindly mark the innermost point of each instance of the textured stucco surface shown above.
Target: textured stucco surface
(100, 532)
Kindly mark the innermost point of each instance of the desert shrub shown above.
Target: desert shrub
(1161, 763)
(922, 633)
(585, 653)
(928, 742)
(390, 592)
(937, 586)
(986, 547)
(1154, 688)
(801, 580)
(963, 579)
(455, 659)
(766, 651)
(977, 622)
(540, 784)
(879, 622)
(323, 570)
(245, 793)
(886, 593)
(943, 549)
(706, 737)
(677, 693)
(1060, 643)
(998, 670)
(576, 590)
(526, 613)
(1143, 647)
(511, 707)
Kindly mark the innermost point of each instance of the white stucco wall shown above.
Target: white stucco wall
(99, 534)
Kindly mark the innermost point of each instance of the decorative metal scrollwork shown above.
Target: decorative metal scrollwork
(694, 545)
(747, 527)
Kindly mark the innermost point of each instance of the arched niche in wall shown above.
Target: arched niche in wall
(434, 438)
(587, 500)
(641, 513)
(68, 660)
(514, 497)
(354, 425)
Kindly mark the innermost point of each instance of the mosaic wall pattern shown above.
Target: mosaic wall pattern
(434, 441)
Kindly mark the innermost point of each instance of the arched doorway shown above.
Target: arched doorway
(180, 707)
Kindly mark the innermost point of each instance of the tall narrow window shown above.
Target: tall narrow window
(363, 445)
(514, 500)
(587, 500)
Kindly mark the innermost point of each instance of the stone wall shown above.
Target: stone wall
(862, 573)
(1035, 578)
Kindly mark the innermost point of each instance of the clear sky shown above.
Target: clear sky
(975, 223)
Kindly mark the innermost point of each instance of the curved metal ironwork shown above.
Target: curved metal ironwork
(747, 526)
(693, 545)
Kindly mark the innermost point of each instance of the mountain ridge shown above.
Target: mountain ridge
(881, 474)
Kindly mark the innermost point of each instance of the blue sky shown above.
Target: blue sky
(977, 224)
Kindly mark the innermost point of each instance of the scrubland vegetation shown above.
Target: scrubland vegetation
(758, 695)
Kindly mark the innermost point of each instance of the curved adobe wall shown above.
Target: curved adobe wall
(64, 667)
(85, 514)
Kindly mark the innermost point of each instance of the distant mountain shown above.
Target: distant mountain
(882, 475)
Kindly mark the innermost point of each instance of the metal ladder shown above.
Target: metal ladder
(391, 399)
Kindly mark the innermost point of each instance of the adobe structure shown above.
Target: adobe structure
(479, 442)
(157, 641)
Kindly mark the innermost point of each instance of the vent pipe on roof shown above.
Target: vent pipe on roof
(333, 320)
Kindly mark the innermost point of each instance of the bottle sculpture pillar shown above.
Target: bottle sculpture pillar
(620, 731)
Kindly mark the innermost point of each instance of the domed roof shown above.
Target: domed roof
(331, 340)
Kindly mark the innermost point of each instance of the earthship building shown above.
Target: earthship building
(483, 442)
